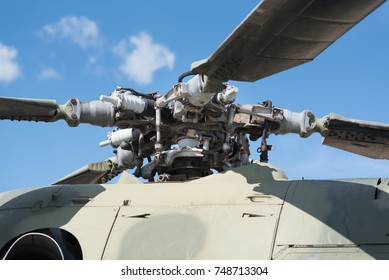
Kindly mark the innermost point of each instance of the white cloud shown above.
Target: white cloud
(9, 68)
(48, 74)
(80, 30)
(142, 57)
(94, 65)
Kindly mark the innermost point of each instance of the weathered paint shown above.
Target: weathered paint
(250, 212)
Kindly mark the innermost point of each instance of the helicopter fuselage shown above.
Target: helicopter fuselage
(249, 212)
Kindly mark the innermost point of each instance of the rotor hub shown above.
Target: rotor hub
(187, 168)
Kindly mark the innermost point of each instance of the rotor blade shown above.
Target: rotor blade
(281, 34)
(370, 139)
(93, 173)
(74, 111)
(26, 109)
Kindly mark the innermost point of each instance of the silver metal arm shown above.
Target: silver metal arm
(283, 120)
(95, 112)
(195, 91)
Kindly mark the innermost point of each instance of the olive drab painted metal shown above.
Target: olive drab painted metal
(250, 212)
(246, 210)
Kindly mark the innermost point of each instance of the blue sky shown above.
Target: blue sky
(63, 49)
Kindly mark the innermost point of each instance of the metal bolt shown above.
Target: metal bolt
(74, 116)
(73, 101)
(309, 114)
